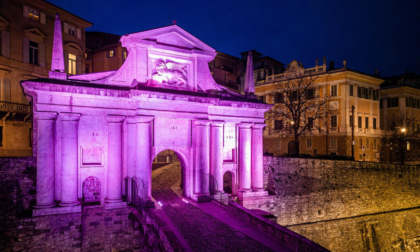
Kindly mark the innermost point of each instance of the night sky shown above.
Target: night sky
(383, 35)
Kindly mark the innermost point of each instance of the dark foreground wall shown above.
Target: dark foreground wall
(344, 205)
(95, 229)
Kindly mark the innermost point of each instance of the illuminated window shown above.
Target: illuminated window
(33, 53)
(110, 53)
(72, 64)
(33, 14)
(125, 55)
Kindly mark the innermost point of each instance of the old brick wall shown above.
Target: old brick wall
(314, 198)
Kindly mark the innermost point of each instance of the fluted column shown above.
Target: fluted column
(143, 156)
(114, 158)
(69, 159)
(216, 156)
(202, 156)
(257, 172)
(131, 154)
(45, 159)
(244, 156)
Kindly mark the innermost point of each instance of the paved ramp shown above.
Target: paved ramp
(205, 226)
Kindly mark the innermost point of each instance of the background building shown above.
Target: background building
(346, 88)
(27, 29)
(400, 118)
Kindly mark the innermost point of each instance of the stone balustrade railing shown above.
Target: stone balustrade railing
(15, 107)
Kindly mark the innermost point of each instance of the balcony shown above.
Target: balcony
(10, 111)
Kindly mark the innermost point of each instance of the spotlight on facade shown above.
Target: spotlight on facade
(160, 203)
(403, 130)
(185, 201)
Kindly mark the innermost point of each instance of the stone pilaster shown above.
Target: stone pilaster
(114, 184)
(257, 171)
(69, 159)
(216, 157)
(143, 171)
(131, 155)
(244, 157)
(202, 158)
(45, 159)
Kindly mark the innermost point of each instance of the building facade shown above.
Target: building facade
(27, 29)
(400, 119)
(345, 89)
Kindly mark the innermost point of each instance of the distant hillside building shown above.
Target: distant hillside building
(400, 118)
(27, 29)
(346, 88)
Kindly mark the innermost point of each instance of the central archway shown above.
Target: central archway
(168, 175)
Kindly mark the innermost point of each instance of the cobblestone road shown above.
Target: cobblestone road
(201, 231)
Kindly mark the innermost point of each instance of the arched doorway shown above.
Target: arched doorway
(167, 176)
(228, 182)
(291, 148)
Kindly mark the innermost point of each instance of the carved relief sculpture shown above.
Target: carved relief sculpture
(169, 72)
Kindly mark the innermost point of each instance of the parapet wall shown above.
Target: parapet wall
(343, 204)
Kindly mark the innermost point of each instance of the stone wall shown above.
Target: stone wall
(319, 198)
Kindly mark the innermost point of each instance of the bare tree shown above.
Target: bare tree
(299, 108)
(402, 129)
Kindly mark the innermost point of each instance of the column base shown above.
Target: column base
(63, 204)
(114, 205)
(45, 206)
(258, 189)
(200, 198)
(113, 200)
(57, 210)
(245, 195)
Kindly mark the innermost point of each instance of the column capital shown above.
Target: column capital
(245, 125)
(258, 126)
(200, 122)
(45, 115)
(69, 116)
(217, 123)
(139, 119)
(115, 118)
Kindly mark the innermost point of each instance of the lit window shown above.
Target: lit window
(111, 53)
(33, 53)
(33, 14)
(125, 55)
(72, 64)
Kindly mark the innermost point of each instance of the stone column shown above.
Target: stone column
(69, 159)
(143, 155)
(257, 171)
(45, 159)
(216, 157)
(244, 157)
(114, 158)
(202, 156)
(131, 154)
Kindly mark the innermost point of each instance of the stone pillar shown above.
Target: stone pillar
(69, 150)
(45, 159)
(257, 171)
(114, 158)
(216, 157)
(202, 156)
(143, 155)
(131, 155)
(244, 157)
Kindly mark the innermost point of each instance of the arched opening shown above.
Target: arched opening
(228, 182)
(167, 176)
(91, 191)
(291, 148)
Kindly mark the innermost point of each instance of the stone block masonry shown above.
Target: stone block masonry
(343, 205)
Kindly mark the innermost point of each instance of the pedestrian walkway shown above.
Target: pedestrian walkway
(205, 226)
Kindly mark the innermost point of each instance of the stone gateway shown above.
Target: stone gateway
(110, 126)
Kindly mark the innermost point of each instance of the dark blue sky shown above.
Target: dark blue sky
(383, 35)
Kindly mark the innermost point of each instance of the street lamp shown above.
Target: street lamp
(403, 130)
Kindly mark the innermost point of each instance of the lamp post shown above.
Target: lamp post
(403, 131)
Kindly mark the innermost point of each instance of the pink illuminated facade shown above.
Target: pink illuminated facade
(104, 129)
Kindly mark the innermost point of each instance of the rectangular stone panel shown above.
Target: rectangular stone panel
(92, 155)
(172, 132)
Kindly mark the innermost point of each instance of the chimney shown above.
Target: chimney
(324, 60)
(331, 67)
(57, 62)
(249, 76)
(316, 62)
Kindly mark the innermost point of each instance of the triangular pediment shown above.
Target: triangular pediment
(35, 35)
(3, 23)
(172, 35)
